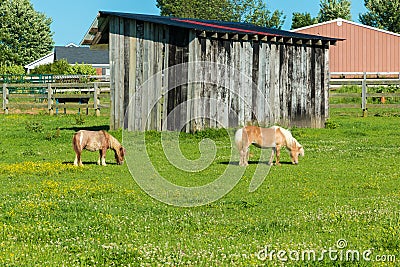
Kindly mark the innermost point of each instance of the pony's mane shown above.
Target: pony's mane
(290, 140)
(114, 143)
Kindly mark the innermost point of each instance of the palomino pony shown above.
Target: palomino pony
(97, 141)
(274, 137)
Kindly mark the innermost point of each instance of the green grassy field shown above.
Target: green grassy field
(346, 188)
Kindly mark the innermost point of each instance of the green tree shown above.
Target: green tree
(300, 20)
(382, 14)
(25, 34)
(11, 69)
(333, 9)
(257, 13)
(250, 11)
(200, 9)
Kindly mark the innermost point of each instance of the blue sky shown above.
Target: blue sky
(72, 19)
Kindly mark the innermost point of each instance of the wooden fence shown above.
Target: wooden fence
(58, 97)
(55, 96)
(367, 80)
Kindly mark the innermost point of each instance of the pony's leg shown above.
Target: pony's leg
(246, 157)
(278, 155)
(99, 160)
(102, 157)
(78, 159)
(242, 157)
(271, 158)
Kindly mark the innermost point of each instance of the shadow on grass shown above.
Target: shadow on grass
(89, 128)
(251, 162)
(87, 163)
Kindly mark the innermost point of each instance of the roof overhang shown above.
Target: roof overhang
(49, 58)
(98, 34)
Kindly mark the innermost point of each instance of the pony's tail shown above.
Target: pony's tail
(238, 139)
(239, 136)
(76, 142)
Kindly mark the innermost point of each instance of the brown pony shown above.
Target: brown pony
(274, 137)
(97, 140)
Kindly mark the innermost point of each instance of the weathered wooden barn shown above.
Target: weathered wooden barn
(187, 74)
(365, 48)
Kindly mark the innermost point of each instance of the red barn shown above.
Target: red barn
(365, 49)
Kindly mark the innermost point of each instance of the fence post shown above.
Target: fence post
(50, 99)
(96, 99)
(364, 96)
(5, 98)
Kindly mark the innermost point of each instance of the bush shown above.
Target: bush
(13, 69)
(331, 124)
(82, 69)
(62, 67)
(59, 67)
(80, 120)
(34, 126)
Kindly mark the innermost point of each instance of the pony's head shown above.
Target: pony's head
(296, 151)
(293, 145)
(120, 155)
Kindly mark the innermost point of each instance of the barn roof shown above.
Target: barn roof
(98, 32)
(81, 55)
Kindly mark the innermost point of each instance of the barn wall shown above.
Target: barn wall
(246, 82)
(363, 50)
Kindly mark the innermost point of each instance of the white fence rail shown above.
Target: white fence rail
(365, 80)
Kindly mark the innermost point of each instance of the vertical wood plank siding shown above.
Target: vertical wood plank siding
(242, 82)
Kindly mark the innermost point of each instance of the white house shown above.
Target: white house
(47, 59)
(76, 54)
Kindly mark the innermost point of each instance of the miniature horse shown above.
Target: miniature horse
(97, 140)
(274, 137)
